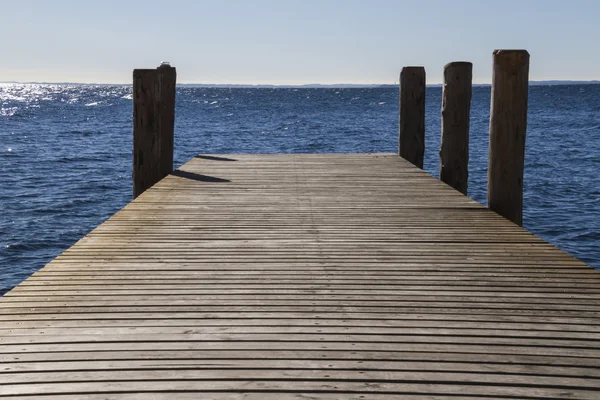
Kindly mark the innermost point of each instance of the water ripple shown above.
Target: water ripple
(65, 153)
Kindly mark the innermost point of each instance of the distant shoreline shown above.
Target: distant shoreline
(304, 86)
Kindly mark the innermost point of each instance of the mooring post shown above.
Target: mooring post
(411, 140)
(508, 124)
(456, 108)
(153, 125)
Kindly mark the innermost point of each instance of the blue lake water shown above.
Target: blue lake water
(65, 153)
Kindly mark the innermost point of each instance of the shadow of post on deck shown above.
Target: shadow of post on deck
(214, 158)
(198, 177)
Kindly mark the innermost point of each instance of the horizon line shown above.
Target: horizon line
(297, 85)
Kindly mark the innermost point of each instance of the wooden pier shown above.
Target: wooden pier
(304, 276)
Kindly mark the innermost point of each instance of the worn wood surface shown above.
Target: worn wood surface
(411, 140)
(508, 125)
(304, 276)
(456, 110)
(166, 85)
(153, 126)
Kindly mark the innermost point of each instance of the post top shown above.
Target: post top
(511, 58)
(459, 64)
(510, 51)
(164, 64)
(413, 71)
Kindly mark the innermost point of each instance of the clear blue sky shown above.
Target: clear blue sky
(292, 42)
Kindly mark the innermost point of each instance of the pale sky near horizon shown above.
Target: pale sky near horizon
(292, 42)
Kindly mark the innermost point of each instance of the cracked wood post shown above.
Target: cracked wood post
(411, 140)
(153, 125)
(456, 107)
(508, 125)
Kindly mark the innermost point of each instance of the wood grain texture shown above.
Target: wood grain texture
(166, 86)
(411, 140)
(508, 125)
(352, 276)
(456, 111)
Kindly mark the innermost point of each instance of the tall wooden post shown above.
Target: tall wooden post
(508, 124)
(411, 141)
(456, 108)
(153, 125)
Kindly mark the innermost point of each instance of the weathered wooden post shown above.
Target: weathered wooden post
(411, 140)
(456, 109)
(153, 125)
(508, 124)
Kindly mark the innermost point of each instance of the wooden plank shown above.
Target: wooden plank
(305, 363)
(30, 327)
(326, 332)
(304, 375)
(304, 276)
(322, 386)
(226, 395)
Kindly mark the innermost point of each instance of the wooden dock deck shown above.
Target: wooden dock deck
(304, 276)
